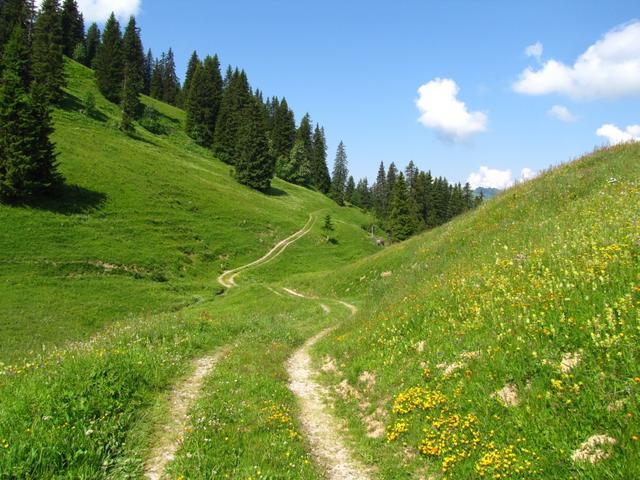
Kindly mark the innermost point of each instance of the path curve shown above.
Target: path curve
(227, 279)
(181, 401)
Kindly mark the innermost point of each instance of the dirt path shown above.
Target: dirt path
(182, 398)
(227, 279)
(321, 427)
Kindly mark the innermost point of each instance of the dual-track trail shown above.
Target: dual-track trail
(320, 426)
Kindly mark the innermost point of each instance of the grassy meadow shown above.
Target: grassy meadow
(503, 341)
(491, 347)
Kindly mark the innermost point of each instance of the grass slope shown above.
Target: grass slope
(537, 291)
(126, 266)
(145, 225)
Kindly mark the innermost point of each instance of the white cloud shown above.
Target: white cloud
(610, 68)
(527, 174)
(500, 179)
(615, 135)
(442, 111)
(491, 178)
(534, 51)
(562, 113)
(99, 10)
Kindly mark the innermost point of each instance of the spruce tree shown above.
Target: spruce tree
(362, 195)
(349, 190)
(109, 61)
(327, 226)
(283, 130)
(379, 193)
(294, 167)
(255, 166)
(170, 82)
(392, 176)
(320, 171)
(130, 99)
(14, 13)
(133, 56)
(339, 177)
(203, 103)
(230, 116)
(194, 61)
(304, 135)
(92, 43)
(402, 217)
(156, 85)
(27, 157)
(72, 27)
(469, 200)
(47, 62)
(149, 62)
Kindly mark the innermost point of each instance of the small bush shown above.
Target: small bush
(151, 121)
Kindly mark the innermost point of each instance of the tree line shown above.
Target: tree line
(410, 202)
(31, 81)
(259, 137)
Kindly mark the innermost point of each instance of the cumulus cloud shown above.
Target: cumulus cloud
(534, 51)
(441, 110)
(562, 113)
(500, 179)
(99, 10)
(610, 68)
(615, 135)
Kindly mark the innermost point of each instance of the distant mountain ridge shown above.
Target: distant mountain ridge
(487, 192)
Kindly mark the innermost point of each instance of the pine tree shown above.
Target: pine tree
(362, 195)
(149, 62)
(156, 85)
(255, 166)
(411, 176)
(304, 136)
(170, 82)
(234, 100)
(203, 103)
(72, 27)
(402, 217)
(327, 226)
(339, 177)
(47, 62)
(379, 193)
(422, 196)
(283, 131)
(194, 61)
(133, 56)
(27, 157)
(320, 171)
(469, 200)
(130, 99)
(92, 44)
(392, 176)
(14, 13)
(109, 61)
(294, 168)
(349, 190)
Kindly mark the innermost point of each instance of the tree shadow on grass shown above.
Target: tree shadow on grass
(72, 104)
(275, 192)
(66, 200)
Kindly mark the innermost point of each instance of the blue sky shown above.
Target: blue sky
(356, 67)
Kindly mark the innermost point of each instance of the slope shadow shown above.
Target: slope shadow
(275, 192)
(66, 200)
(72, 104)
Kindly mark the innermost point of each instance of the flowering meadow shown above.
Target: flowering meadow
(504, 345)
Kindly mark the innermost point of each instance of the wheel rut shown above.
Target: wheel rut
(181, 400)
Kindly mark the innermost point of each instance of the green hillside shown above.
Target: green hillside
(143, 225)
(501, 345)
(502, 341)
